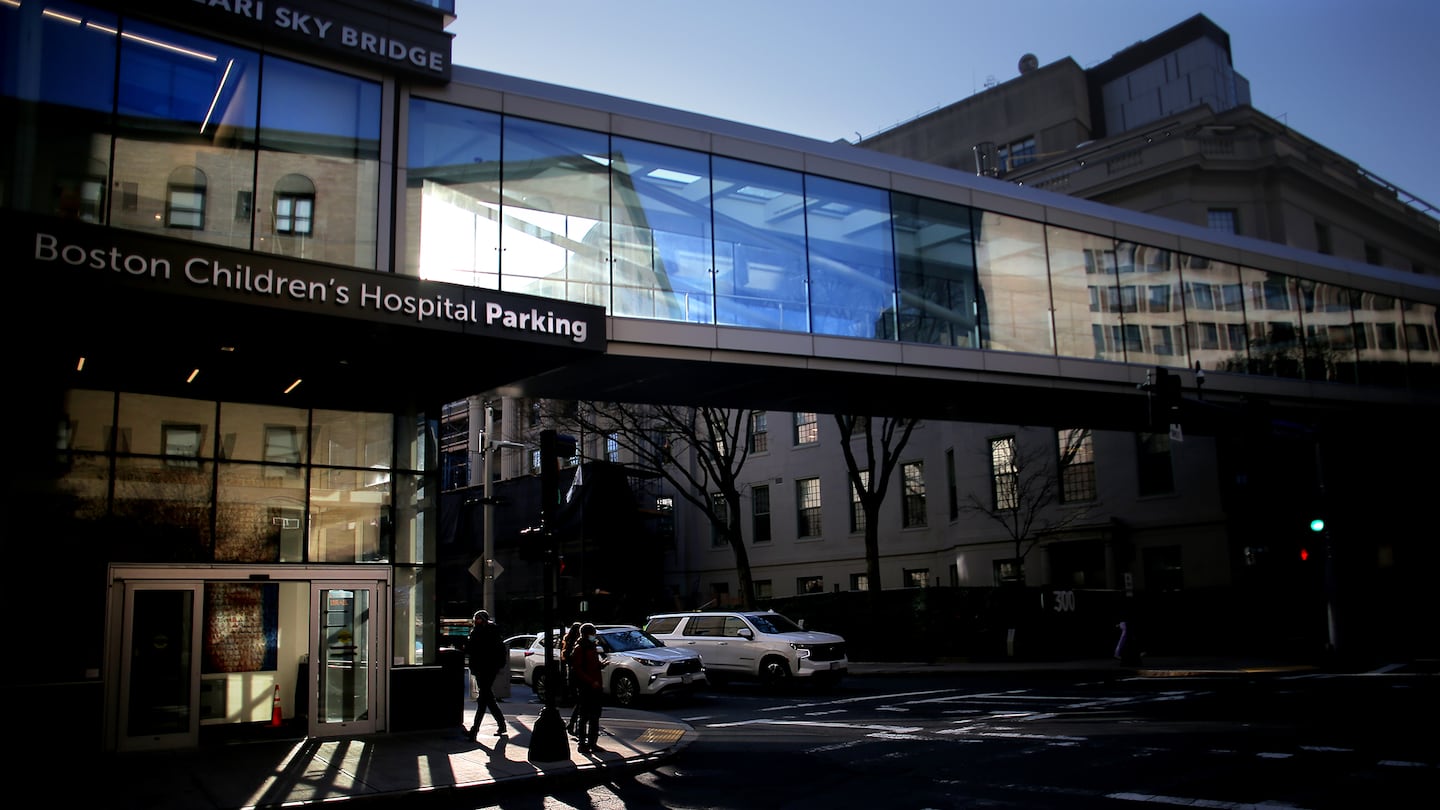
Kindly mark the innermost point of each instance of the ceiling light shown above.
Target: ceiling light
(192, 376)
(292, 386)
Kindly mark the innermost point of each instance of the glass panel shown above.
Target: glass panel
(348, 517)
(418, 439)
(1014, 305)
(324, 126)
(161, 631)
(352, 439)
(263, 433)
(1273, 315)
(661, 233)
(89, 420)
(143, 420)
(1214, 314)
(187, 103)
(935, 246)
(760, 271)
(161, 511)
(415, 528)
(1379, 353)
(1326, 312)
(415, 632)
(1086, 295)
(259, 514)
(852, 259)
(452, 195)
(345, 677)
(556, 239)
(1422, 344)
(1152, 304)
(57, 89)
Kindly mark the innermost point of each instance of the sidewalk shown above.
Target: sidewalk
(410, 765)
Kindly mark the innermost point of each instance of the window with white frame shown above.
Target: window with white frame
(917, 577)
(1004, 473)
(612, 448)
(759, 436)
(1077, 464)
(913, 475)
(810, 584)
(859, 582)
(721, 509)
(760, 514)
(807, 507)
(857, 512)
(185, 199)
(807, 428)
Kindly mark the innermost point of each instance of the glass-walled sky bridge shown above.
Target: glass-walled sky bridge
(651, 230)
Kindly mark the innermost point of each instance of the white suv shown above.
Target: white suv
(756, 644)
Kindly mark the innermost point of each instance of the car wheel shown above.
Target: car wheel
(774, 671)
(625, 689)
(539, 685)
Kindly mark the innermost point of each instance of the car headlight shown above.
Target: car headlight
(801, 650)
(649, 662)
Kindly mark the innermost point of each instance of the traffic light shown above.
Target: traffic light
(1317, 527)
(1164, 393)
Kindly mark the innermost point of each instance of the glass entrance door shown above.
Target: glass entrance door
(159, 679)
(347, 656)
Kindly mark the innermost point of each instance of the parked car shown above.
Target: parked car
(636, 665)
(518, 646)
(761, 645)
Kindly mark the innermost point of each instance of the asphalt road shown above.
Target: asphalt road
(1281, 742)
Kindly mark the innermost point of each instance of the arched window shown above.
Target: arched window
(295, 205)
(185, 199)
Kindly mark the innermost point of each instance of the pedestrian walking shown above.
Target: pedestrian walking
(585, 665)
(567, 648)
(487, 655)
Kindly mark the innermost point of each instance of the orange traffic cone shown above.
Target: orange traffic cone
(275, 718)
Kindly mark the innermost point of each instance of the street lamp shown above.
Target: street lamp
(488, 557)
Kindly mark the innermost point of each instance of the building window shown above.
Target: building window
(535, 462)
(612, 448)
(807, 428)
(917, 577)
(185, 199)
(244, 205)
(182, 445)
(913, 474)
(1015, 154)
(720, 508)
(759, 438)
(1152, 458)
(1322, 238)
(859, 582)
(1223, 220)
(1009, 572)
(763, 589)
(129, 196)
(1004, 474)
(1077, 465)
(857, 512)
(807, 507)
(805, 585)
(760, 514)
(952, 490)
(294, 214)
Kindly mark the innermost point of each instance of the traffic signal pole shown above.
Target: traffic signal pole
(548, 742)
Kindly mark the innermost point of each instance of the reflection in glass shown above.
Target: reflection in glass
(185, 135)
(263, 433)
(1014, 287)
(1273, 314)
(161, 511)
(415, 525)
(934, 245)
(415, 633)
(852, 259)
(89, 421)
(162, 625)
(1214, 314)
(57, 86)
(259, 516)
(1329, 338)
(345, 664)
(661, 232)
(1422, 344)
(452, 195)
(349, 517)
(352, 439)
(760, 269)
(323, 126)
(143, 421)
(1152, 305)
(1086, 296)
(556, 238)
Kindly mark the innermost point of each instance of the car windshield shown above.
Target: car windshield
(775, 623)
(628, 640)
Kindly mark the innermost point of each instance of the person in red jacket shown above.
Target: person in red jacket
(585, 666)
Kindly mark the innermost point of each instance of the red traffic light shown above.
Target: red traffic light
(1304, 554)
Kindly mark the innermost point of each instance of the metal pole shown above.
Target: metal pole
(488, 561)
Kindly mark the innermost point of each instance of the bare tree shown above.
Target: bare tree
(1027, 485)
(699, 451)
(879, 462)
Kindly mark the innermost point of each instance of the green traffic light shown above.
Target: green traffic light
(1317, 525)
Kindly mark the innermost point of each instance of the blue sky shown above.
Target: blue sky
(1361, 78)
